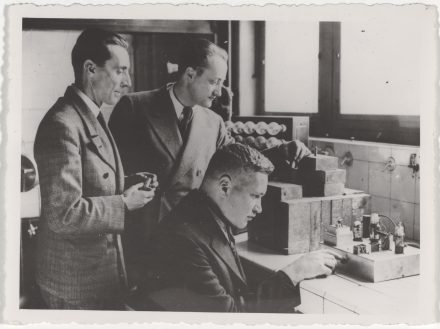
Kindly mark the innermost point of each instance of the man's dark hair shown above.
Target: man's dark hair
(195, 54)
(92, 44)
(234, 157)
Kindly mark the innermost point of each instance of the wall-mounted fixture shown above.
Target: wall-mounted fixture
(29, 177)
(172, 68)
(347, 161)
(413, 164)
(390, 165)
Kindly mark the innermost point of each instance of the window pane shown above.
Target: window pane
(380, 66)
(291, 67)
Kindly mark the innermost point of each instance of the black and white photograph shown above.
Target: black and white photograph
(177, 163)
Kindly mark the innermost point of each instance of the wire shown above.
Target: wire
(394, 223)
(412, 244)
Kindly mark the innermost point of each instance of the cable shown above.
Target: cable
(394, 223)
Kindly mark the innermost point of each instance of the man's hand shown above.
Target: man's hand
(297, 150)
(313, 264)
(134, 198)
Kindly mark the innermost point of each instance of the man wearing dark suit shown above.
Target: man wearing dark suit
(83, 202)
(172, 133)
(195, 266)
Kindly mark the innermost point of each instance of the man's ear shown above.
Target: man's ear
(225, 184)
(190, 73)
(89, 66)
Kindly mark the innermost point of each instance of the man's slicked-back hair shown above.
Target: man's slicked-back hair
(195, 54)
(92, 44)
(235, 157)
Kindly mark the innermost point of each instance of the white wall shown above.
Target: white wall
(47, 71)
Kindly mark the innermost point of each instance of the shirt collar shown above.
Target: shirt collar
(178, 106)
(91, 104)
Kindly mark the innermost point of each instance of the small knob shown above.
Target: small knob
(260, 142)
(347, 160)
(390, 165)
(229, 125)
(249, 127)
(250, 140)
(238, 127)
(261, 128)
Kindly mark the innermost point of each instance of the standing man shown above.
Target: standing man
(195, 266)
(83, 202)
(172, 133)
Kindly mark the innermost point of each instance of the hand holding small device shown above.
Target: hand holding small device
(141, 188)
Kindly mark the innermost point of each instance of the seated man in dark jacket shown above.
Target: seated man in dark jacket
(194, 264)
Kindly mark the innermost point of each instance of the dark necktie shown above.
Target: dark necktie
(104, 126)
(102, 122)
(184, 123)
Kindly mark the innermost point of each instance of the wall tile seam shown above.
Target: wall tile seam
(365, 144)
(382, 162)
(397, 200)
(391, 199)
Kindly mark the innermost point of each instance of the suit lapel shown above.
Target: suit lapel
(220, 244)
(223, 250)
(118, 163)
(102, 141)
(194, 145)
(164, 122)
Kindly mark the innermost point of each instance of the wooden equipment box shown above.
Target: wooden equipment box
(379, 266)
(319, 175)
(295, 226)
(318, 162)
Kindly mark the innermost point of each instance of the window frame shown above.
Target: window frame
(329, 122)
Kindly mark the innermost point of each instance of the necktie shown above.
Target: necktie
(187, 114)
(102, 122)
(104, 126)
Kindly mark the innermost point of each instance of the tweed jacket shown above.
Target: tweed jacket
(193, 266)
(81, 181)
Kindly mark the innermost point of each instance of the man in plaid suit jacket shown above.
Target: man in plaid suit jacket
(83, 202)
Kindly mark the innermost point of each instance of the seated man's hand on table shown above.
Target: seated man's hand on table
(312, 265)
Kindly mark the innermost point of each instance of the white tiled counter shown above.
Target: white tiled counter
(337, 293)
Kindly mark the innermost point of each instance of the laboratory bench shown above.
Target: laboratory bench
(337, 293)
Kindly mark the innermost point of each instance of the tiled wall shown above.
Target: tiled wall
(393, 193)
